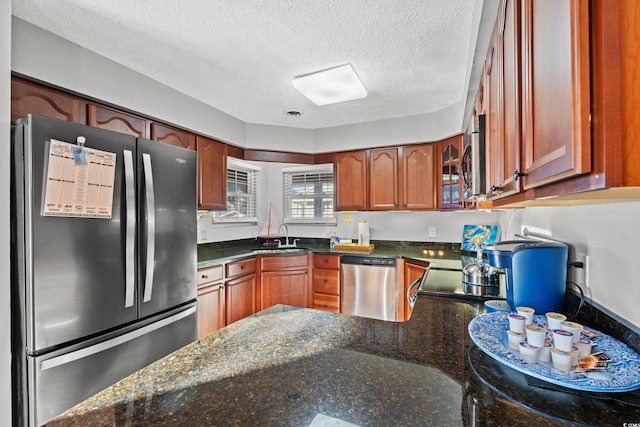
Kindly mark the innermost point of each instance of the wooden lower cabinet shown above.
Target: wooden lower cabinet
(211, 309)
(413, 270)
(284, 280)
(211, 300)
(326, 282)
(285, 287)
(241, 289)
(241, 297)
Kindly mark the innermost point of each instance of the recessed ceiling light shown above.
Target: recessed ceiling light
(331, 86)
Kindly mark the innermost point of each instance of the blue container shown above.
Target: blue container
(535, 273)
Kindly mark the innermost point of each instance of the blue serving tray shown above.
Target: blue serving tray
(489, 333)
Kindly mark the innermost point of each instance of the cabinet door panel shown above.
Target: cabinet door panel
(326, 281)
(172, 136)
(331, 262)
(285, 287)
(212, 174)
(106, 118)
(211, 313)
(383, 179)
(418, 187)
(241, 298)
(556, 128)
(32, 98)
(350, 179)
(326, 302)
(281, 262)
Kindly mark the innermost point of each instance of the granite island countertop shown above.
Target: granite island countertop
(284, 366)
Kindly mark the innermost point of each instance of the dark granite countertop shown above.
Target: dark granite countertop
(284, 366)
(214, 254)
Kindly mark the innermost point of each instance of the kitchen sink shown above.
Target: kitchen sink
(278, 251)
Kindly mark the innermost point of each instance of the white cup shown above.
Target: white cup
(562, 339)
(555, 320)
(561, 359)
(544, 355)
(584, 344)
(516, 323)
(527, 312)
(528, 352)
(574, 328)
(515, 338)
(535, 335)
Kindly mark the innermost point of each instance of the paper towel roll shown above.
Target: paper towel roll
(363, 233)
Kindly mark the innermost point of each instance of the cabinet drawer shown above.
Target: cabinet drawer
(326, 261)
(283, 262)
(241, 268)
(326, 302)
(210, 274)
(326, 281)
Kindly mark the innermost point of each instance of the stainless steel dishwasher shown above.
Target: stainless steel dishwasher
(369, 287)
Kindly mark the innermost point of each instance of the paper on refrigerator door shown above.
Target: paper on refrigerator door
(79, 181)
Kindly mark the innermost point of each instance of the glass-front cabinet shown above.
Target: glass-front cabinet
(449, 169)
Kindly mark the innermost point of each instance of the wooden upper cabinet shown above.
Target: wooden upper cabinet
(212, 174)
(107, 118)
(350, 177)
(556, 90)
(504, 103)
(448, 167)
(417, 177)
(383, 179)
(172, 136)
(32, 98)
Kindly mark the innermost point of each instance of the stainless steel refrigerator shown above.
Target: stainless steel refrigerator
(104, 260)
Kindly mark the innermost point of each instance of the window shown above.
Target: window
(308, 194)
(242, 180)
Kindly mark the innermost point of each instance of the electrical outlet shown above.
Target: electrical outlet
(346, 217)
(582, 273)
(432, 232)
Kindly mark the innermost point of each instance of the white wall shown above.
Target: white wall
(41, 55)
(5, 279)
(610, 235)
(404, 130)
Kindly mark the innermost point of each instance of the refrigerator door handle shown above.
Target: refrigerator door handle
(129, 182)
(151, 226)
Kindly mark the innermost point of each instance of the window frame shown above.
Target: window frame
(252, 184)
(287, 175)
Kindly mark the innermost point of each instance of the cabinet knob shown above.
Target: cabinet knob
(326, 261)
(494, 189)
(326, 306)
(204, 276)
(242, 267)
(517, 174)
(325, 281)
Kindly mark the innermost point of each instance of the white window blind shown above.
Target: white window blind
(308, 195)
(242, 187)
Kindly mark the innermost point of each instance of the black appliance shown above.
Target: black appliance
(474, 159)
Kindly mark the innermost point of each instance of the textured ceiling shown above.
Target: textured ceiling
(240, 56)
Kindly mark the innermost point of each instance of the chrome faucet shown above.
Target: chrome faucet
(286, 236)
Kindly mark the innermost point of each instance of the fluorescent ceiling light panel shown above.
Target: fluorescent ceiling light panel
(331, 86)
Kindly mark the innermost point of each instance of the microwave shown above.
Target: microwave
(473, 166)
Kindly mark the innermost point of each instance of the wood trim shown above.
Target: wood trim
(278, 156)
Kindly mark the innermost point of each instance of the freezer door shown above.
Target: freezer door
(73, 269)
(168, 245)
(60, 380)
